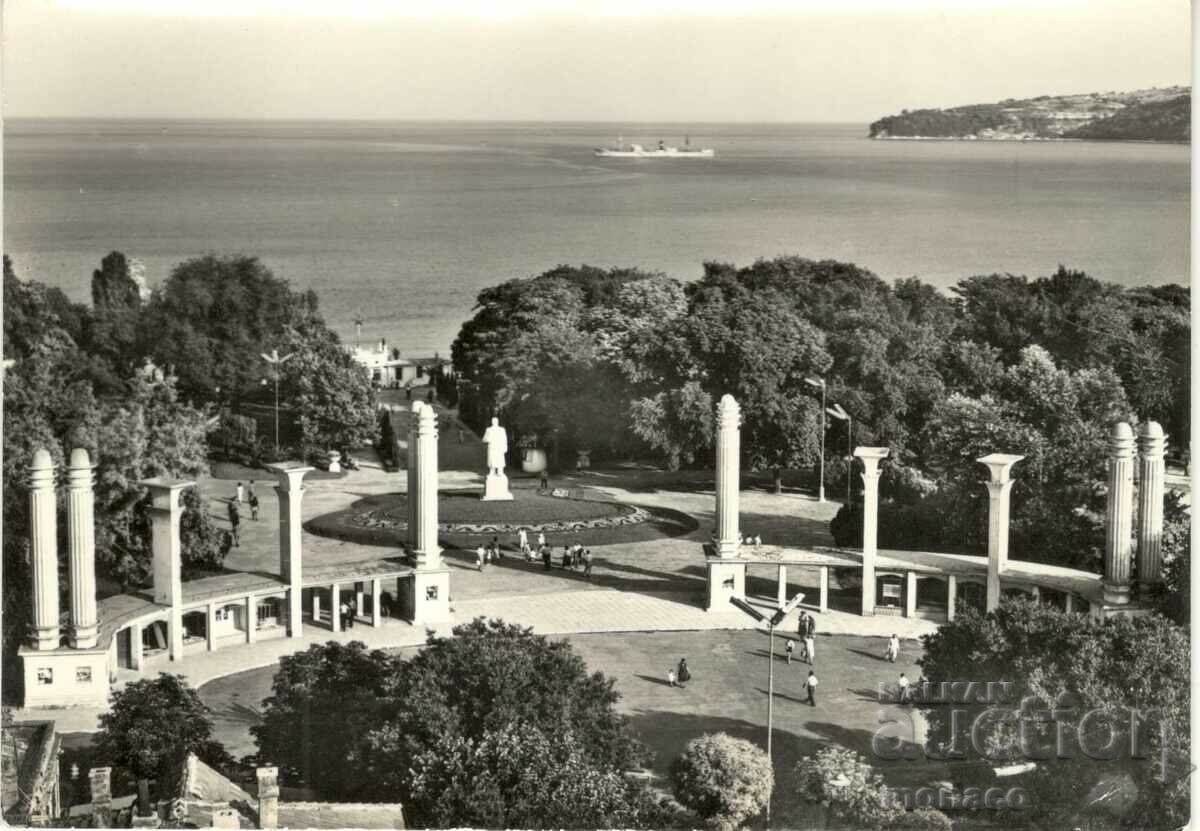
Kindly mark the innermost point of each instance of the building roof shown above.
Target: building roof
(28, 752)
(203, 791)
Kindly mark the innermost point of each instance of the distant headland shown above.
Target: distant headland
(1157, 114)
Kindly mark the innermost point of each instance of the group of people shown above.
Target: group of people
(349, 611)
(241, 495)
(679, 675)
(485, 554)
(750, 540)
(806, 635)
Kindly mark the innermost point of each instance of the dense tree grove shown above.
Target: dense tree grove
(1095, 703)
(625, 362)
(493, 728)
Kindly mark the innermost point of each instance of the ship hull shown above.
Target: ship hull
(706, 153)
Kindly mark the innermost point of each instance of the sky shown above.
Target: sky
(585, 60)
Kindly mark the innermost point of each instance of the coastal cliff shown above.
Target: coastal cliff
(1158, 114)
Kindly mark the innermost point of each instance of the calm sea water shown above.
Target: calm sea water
(403, 223)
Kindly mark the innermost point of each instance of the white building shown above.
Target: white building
(389, 369)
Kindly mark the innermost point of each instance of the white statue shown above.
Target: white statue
(496, 439)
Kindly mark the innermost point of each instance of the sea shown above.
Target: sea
(400, 224)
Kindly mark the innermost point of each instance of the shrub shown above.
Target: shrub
(724, 780)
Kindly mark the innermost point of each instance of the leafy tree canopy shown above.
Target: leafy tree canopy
(495, 726)
(724, 780)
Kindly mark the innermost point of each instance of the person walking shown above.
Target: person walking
(587, 563)
(811, 685)
(893, 649)
(253, 506)
(240, 492)
(544, 481)
(344, 609)
(682, 672)
(479, 557)
(235, 520)
(904, 689)
(801, 631)
(789, 649)
(523, 540)
(496, 548)
(250, 490)
(671, 677)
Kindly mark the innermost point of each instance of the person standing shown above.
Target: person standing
(522, 540)
(235, 520)
(496, 548)
(671, 677)
(893, 649)
(544, 480)
(344, 609)
(811, 685)
(810, 648)
(682, 672)
(541, 539)
(904, 689)
(253, 505)
(789, 649)
(801, 632)
(240, 493)
(587, 563)
(479, 557)
(546, 557)
(351, 612)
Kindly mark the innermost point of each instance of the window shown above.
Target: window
(222, 614)
(83, 675)
(45, 675)
(268, 609)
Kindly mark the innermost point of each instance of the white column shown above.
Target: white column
(823, 590)
(999, 486)
(290, 493)
(335, 607)
(910, 594)
(1070, 601)
(426, 552)
(316, 605)
(951, 595)
(135, 647)
(413, 475)
(1119, 520)
(165, 512)
(728, 475)
(1152, 445)
(81, 526)
(871, 457)
(251, 619)
(376, 613)
(781, 588)
(210, 628)
(43, 552)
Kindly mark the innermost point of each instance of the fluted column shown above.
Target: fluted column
(43, 553)
(412, 475)
(871, 456)
(426, 551)
(1119, 518)
(290, 493)
(728, 475)
(81, 526)
(165, 513)
(1152, 445)
(999, 486)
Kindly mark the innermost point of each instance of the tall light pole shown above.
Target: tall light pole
(814, 382)
(772, 621)
(841, 415)
(276, 361)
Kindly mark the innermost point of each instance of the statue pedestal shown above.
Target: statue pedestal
(495, 488)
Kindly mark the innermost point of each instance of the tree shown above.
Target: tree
(1174, 600)
(724, 780)
(849, 786)
(444, 731)
(1075, 676)
(677, 423)
(328, 390)
(152, 724)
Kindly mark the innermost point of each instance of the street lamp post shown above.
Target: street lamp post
(275, 360)
(772, 621)
(813, 382)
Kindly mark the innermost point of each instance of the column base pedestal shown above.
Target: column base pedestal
(725, 580)
(495, 488)
(426, 596)
(65, 677)
(1107, 610)
(1117, 594)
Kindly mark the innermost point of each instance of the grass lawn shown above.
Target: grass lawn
(728, 694)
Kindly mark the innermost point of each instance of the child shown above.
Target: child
(671, 677)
